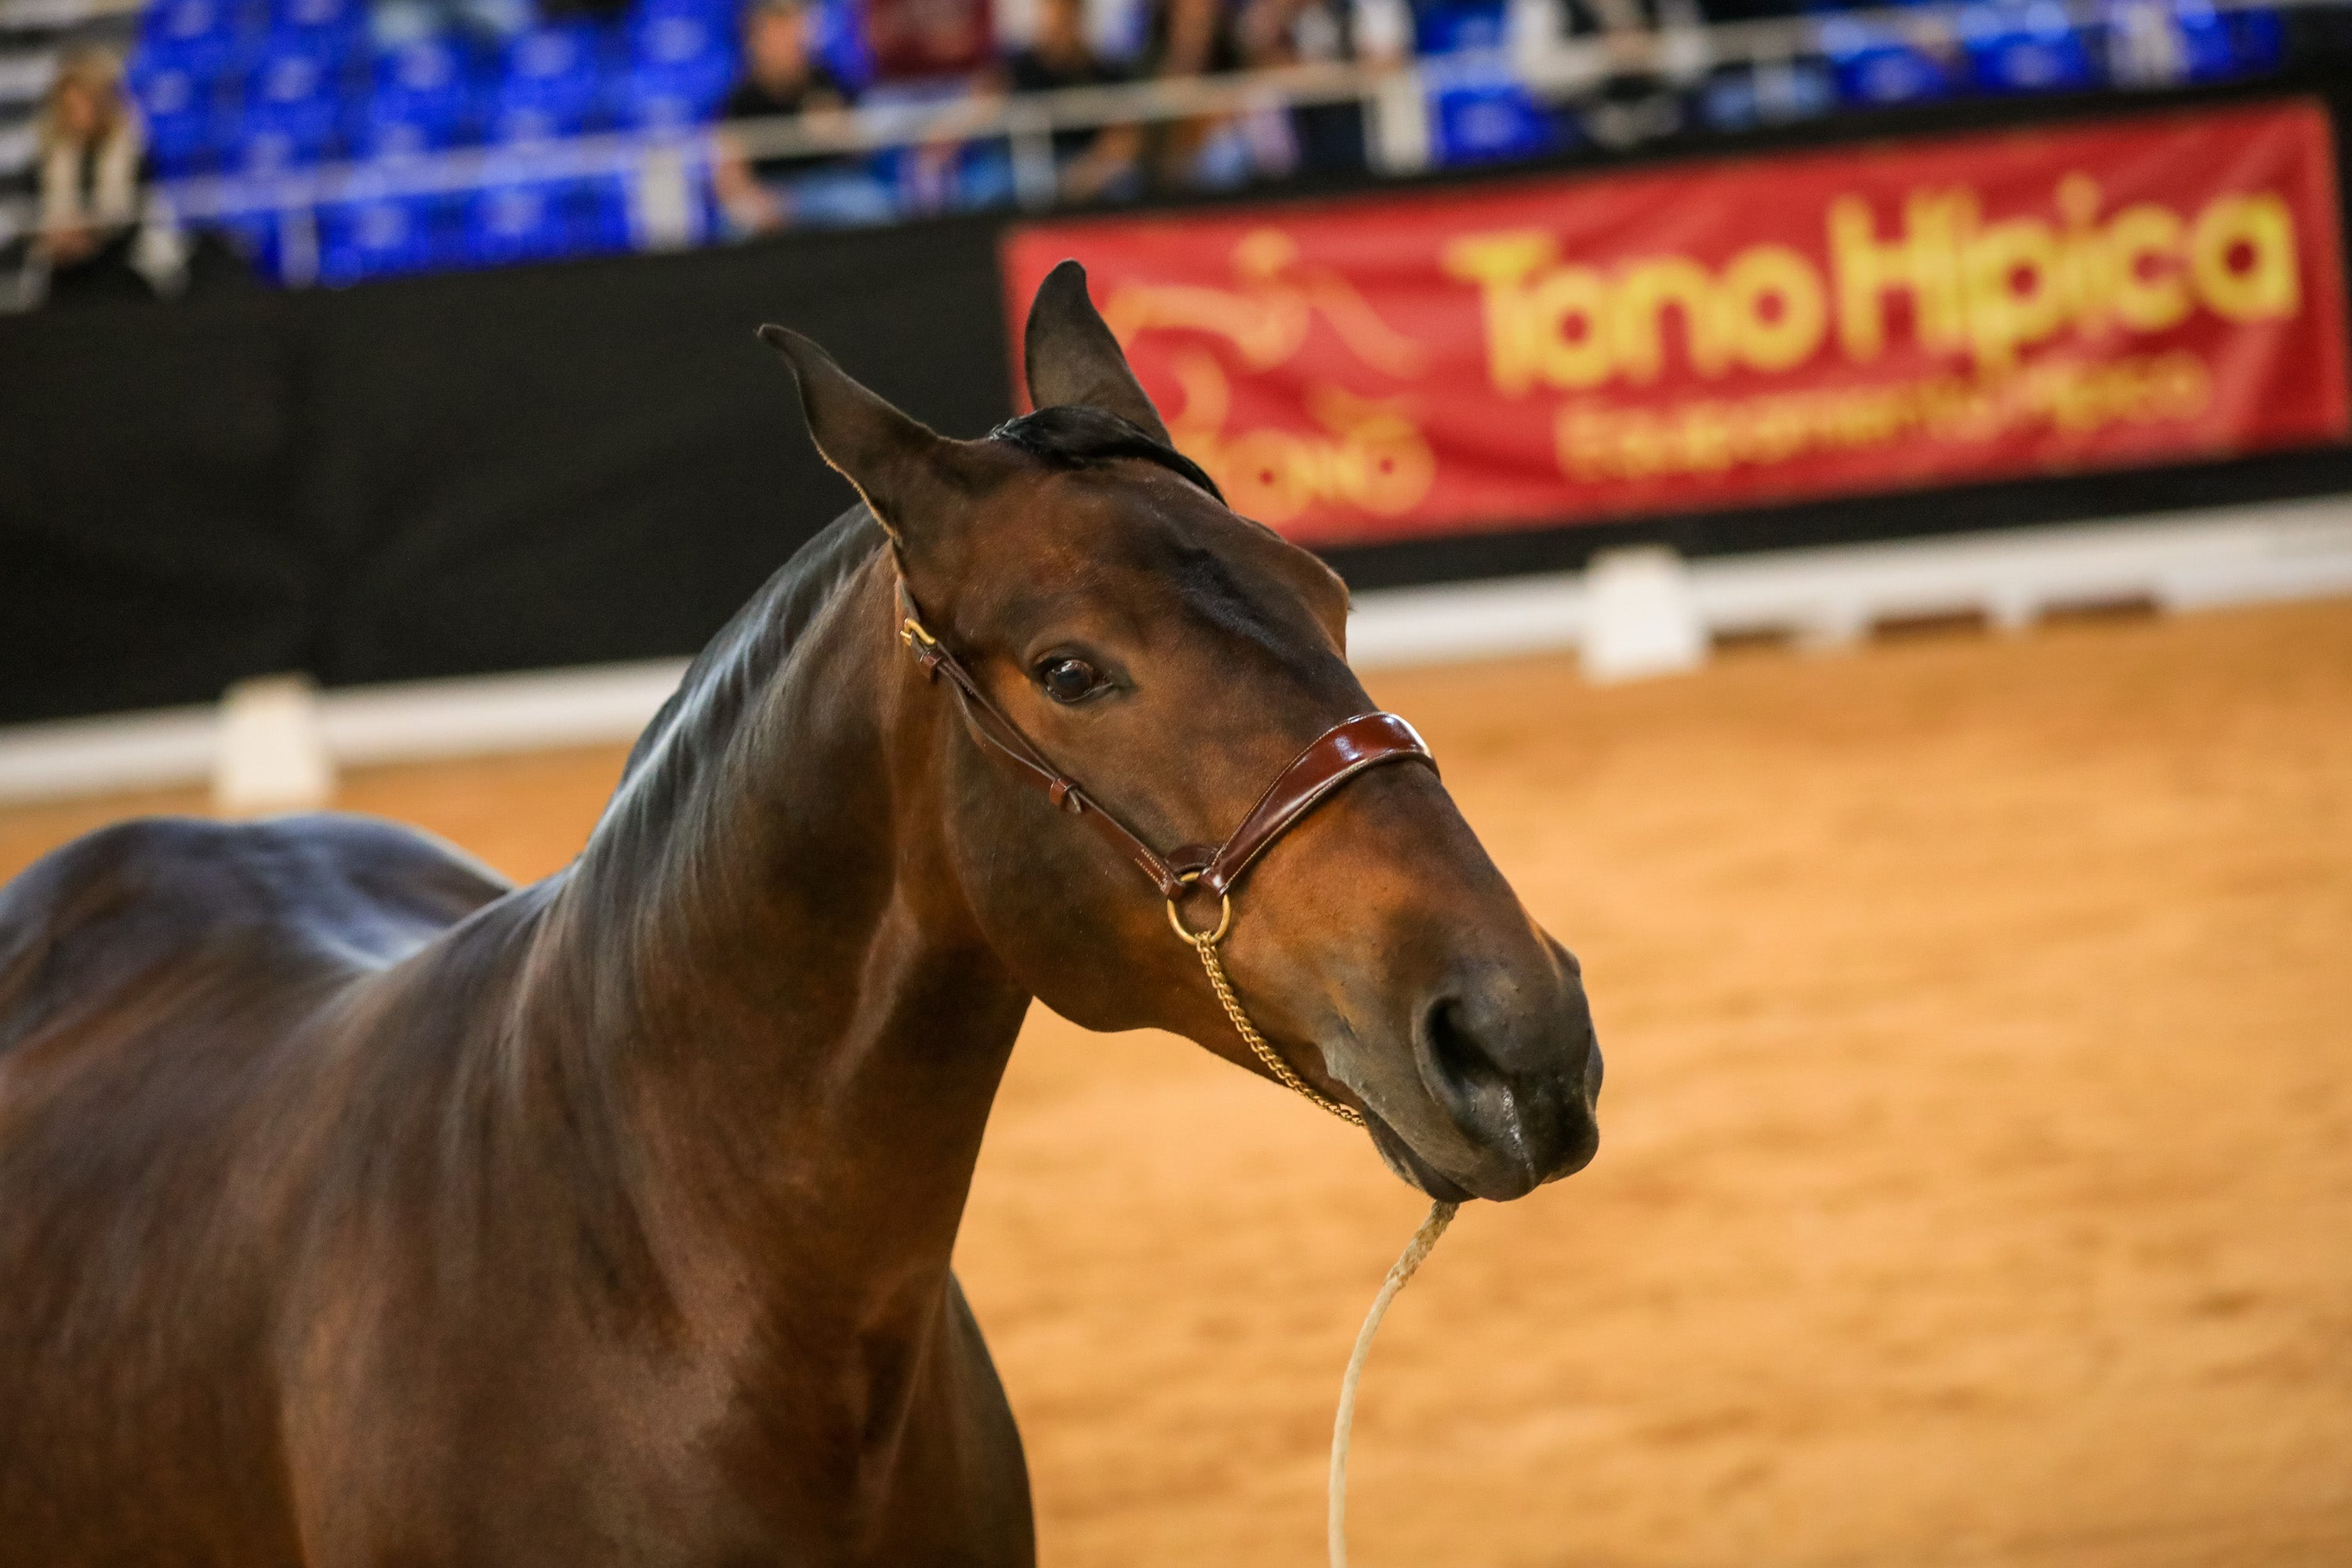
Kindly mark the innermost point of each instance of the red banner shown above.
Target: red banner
(1904, 313)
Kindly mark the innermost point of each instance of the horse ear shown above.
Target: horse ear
(897, 463)
(1071, 356)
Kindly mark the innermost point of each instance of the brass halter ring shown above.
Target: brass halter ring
(1204, 943)
(1224, 916)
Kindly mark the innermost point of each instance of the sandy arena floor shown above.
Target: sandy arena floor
(1975, 1178)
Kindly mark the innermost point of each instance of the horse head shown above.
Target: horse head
(1172, 658)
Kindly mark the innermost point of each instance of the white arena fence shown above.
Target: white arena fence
(1630, 614)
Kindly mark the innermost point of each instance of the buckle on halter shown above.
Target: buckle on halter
(922, 645)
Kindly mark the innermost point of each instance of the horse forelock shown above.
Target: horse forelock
(1071, 436)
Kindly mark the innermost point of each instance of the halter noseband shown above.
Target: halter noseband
(1330, 760)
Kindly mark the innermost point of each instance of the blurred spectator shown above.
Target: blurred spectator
(1190, 37)
(1091, 164)
(92, 149)
(1194, 37)
(1641, 96)
(784, 77)
(1327, 138)
(925, 40)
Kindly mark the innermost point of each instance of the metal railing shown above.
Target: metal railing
(29, 16)
(662, 169)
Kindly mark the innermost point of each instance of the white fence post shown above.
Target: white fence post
(297, 245)
(273, 750)
(1035, 182)
(665, 199)
(1639, 616)
(1397, 112)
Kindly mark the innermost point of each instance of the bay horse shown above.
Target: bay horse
(357, 1208)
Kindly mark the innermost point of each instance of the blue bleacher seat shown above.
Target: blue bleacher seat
(267, 139)
(694, 52)
(294, 70)
(1482, 124)
(2029, 47)
(290, 114)
(2204, 38)
(388, 130)
(527, 217)
(1878, 65)
(318, 15)
(425, 80)
(382, 236)
(331, 28)
(206, 38)
(179, 107)
(2217, 46)
(518, 221)
(723, 16)
(1741, 98)
(2257, 41)
(598, 216)
(683, 61)
(1728, 101)
(1444, 29)
(839, 40)
(1478, 121)
(659, 99)
(553, 84)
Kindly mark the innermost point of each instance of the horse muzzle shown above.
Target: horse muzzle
(1511, 1090)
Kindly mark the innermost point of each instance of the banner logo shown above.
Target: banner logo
(1563, 349)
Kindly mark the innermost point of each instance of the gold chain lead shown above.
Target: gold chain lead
(1205, 945)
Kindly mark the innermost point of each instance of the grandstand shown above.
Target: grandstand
(334, 144)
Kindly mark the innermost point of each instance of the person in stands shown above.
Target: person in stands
(93, 153)
(784, 77)
(1641, 96)
(1092, 165)
(1326, 138)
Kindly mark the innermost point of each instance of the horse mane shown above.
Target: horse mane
(728, 675)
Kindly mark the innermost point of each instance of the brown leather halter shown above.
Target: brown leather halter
(1329, 761)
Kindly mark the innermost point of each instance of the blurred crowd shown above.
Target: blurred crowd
(946, 53)
(264, 87)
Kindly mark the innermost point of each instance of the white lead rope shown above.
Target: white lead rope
(1440, 1216)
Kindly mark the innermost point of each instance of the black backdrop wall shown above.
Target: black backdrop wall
(491, 471)
(593, 461)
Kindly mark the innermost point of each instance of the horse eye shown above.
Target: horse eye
(1067, 680)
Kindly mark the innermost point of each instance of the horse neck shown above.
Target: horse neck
(762, 963)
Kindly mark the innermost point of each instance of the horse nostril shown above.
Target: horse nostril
(1455, 1059)
(1518, 1081)
(1443, 1039)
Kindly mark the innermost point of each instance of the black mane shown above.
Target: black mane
(1071, 436)
(726, 676)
